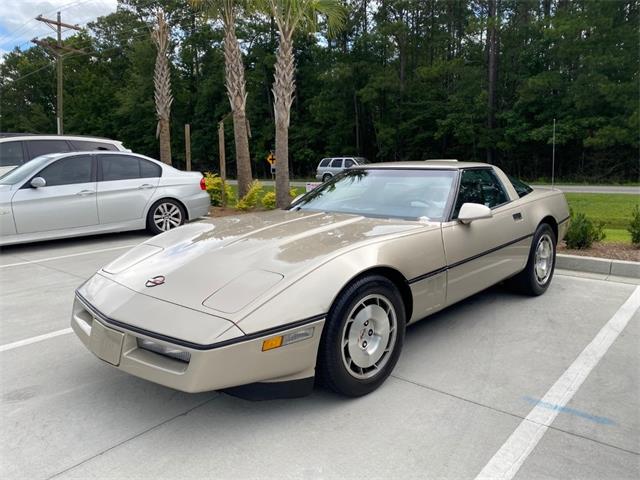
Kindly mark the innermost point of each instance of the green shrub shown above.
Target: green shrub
(250, 200)
(269, 200)
(583, 232)
(634, 226)
(214, 184)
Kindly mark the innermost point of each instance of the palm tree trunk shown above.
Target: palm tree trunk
(234, 76)
(283, 89)
(164, 132)
(162, 85)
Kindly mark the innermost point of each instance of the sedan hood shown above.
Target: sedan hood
(222, 265)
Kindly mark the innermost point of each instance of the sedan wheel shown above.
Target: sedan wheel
(164, 216)
(362, 337)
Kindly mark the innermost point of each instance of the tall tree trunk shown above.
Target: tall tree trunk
(162, 85)
(283, 89)
(234, 76)
(492, 45)
(164, 134)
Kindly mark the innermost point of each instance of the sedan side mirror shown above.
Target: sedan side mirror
(473, 211)
(38, 182)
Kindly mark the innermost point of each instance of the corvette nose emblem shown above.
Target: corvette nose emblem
(155, 281)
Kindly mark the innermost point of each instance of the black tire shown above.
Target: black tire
(326, 177)
(528, 281)
(332, 369)
(170, 205)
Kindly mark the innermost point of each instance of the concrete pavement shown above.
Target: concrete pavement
(467, 378)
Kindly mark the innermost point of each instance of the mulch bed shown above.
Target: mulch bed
(614, 251)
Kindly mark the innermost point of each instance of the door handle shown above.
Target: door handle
(84, 193)
(517, 216)
(144, 186)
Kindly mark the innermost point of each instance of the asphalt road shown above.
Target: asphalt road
(463, 399)
(564, 188)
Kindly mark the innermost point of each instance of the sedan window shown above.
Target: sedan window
(42, 147)
(89, 145)
(149, 169)
(337, 163)
(325, 162)
(119, 167)
(68, 171)
(11, 154)
(480, 186)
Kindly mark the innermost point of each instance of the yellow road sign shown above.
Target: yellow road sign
(271, 159)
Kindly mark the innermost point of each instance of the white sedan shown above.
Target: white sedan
(81, 193)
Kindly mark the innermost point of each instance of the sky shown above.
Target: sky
(18, 25)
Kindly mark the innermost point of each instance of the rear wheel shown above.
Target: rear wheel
(326, 177)
(165, 215)
(363, 337)
(537, 275)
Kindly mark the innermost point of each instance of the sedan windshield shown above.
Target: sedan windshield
(393, 193)
(24, 171)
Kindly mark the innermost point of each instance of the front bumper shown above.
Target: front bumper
(229, 363)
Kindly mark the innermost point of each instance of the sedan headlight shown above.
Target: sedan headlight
(166, 350)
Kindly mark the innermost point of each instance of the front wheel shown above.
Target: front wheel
(363, 337)
(536, 276)
(165, 215)
(326, 177)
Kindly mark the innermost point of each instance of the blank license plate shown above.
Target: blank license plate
(106, 343)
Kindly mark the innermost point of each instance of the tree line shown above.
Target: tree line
(390, 80)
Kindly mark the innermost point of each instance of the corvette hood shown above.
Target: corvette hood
(222, 265)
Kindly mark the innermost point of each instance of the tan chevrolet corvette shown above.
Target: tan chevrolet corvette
(261, 304)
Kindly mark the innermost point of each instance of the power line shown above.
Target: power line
(57, 50)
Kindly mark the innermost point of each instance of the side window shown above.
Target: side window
(325, 162)
(88, 145)
(119, 167)
(337, 163)
(43, 147)
(11, 154)
(521, 188)
(67, 171)
(480, 186)
(149, 169)
(348, 163)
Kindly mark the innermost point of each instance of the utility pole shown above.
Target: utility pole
(57, 50)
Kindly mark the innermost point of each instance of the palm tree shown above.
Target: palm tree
(162, 84)
(291, 16)
(235, 82)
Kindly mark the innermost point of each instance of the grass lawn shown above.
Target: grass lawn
(614, 210)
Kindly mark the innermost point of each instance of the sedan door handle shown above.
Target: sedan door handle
(84, 193)
(517, 216)
(144, 186)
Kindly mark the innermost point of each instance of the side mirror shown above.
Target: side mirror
(38, 182)
(473, 211)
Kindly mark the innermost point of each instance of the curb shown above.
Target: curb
(604, 266)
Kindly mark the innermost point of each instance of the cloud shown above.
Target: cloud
(18, 25)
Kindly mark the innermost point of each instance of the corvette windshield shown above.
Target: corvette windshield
(393, 193)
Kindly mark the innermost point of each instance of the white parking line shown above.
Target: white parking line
(508, 460)
(28, 262)
(29, 341)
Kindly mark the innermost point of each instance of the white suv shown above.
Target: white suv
(18, 148)
(328, 167)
